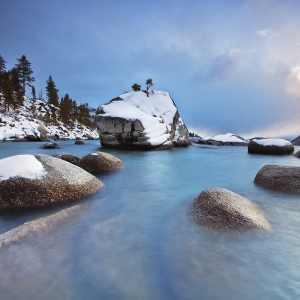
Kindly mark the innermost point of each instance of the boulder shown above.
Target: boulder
(50, 146)
(270, 146)
(43, 133)
(98, 162)
(80, 142)
(226, 139)
(296, 141)
(224, 211)
(282, 178)
(41, 180)
(297, 154)
(135, 121)
(73, 159)
(31, 135)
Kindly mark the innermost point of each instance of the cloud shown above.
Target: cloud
(293, 82)
(264, 32)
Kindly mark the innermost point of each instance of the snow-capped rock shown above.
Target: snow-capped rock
(226, 139)
(41, 180)
(136, 121)
(25, 123)
(270, 146)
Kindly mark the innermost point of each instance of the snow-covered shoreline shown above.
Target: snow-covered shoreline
(22, 123)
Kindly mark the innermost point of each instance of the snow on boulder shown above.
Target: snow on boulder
(282, 178)
(270, 146)
(41, 180)
(224, 211)
(98, 162)
(135, 121)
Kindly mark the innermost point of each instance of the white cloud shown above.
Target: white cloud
(264, 32)
(293, 82)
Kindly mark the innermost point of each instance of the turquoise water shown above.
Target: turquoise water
(135, 238)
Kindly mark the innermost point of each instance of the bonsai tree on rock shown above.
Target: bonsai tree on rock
(148, 84)
(136, 87)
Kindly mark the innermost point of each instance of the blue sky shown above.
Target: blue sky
(230, 66)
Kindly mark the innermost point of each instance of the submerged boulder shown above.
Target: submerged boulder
(71, 158)
(270, 146)
(80, 142)
(135, 121)
(98, 162)
(42, 180)
(50, 146)
(282, 178)
(224, 211)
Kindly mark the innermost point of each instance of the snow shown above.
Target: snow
(272, 142)
(155, 112)
(23, 121)
(94, 153)
(227, 137)
(26, 166)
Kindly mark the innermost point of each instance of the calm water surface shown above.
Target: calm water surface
(135, 238)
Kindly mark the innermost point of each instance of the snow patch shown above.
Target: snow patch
(272, 142)
(26, 166)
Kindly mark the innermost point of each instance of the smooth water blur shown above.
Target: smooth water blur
(135, 239)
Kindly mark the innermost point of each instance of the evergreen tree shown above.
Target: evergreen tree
(2, 65)
(136, 87)
(7, 90)
(24, 71)
(16, 86)
(33, 92)
(148, 84)
(65, 108)
(52, 92)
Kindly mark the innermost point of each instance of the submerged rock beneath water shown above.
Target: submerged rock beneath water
(37, 226)
(50, 146)
(224, 211)
(41, 180)
(98, 162)
(282, 178)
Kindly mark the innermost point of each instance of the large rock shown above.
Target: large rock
(296, 141)
(50, 146)
(282, 178)
(226, 139)
(98, 162)
(224, 211)
(135, 121)
(270, 146)
(71, 158)
(41, 180)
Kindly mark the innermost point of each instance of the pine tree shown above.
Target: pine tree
(24, 71)
(2, 70)
(16, 86)
(65, 108)
(136, 87)
(33, 92)
(148, 84)
(52, 92)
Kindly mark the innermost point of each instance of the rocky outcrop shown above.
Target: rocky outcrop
(135, 121)
(98, 162)
(42, 180)
(296, 141)
(270, 146)
(71, 158)
(227, 139)
(282, 178)
(224, 211)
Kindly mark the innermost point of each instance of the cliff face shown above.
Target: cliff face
(135, 121)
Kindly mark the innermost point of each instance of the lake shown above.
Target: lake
(135, 239)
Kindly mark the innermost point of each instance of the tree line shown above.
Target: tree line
(13, 84)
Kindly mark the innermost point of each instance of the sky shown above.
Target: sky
(230, 65)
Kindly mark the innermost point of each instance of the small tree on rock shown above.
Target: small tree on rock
(148, 84)
(136, 87)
